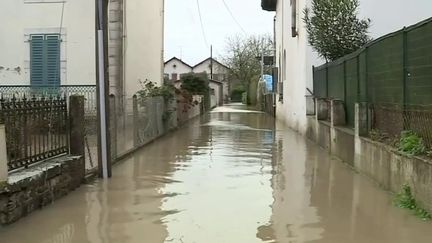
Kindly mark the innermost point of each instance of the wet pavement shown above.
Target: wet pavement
(233, 176)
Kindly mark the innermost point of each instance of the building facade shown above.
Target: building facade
(175, 68)
(52, 43)
(47, 42)
(294, 59)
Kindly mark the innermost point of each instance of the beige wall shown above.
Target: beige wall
(143, 43)
(295, 68)
(20, 18)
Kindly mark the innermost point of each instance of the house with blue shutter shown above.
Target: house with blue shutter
(47, 43)
(51, 43)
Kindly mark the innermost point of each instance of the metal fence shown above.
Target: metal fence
(90, 108)
(392, 73)
(143, 120)
(390, 120)
(88, 91)
(36, 129)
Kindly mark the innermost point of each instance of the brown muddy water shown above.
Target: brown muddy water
(233, 176)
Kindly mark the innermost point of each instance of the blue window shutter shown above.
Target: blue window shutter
(37, 60)
(45, 60)
(52, 44)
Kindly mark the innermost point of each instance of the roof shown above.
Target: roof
(216, 81)
(214, 60)
(269, 5)
(177, 59)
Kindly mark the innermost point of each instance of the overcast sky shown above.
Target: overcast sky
(184, 38)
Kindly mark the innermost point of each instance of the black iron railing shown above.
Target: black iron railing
(20, 91)
(36, 129)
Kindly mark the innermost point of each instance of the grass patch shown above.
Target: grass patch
(405, 199)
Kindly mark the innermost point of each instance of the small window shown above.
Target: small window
(174, 76)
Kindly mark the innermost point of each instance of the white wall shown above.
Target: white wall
(20, 18)
(180, 68)
(296, 69)
(215, 100)
(205, 67)
(144, 43)
(218, 70)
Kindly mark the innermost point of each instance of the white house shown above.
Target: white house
(294, 59)
(219, 71)
(218, 75)
(47, 42)
(294, 56)
(52, 42)
(175, 67)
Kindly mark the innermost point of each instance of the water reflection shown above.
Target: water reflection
(319, 199)
(227, 177)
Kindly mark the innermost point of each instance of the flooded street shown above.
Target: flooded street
(233, 176)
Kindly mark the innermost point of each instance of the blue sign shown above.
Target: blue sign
(268, 79)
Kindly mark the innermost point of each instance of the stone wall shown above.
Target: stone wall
(33, 188)
(391, 170)
(382, 163)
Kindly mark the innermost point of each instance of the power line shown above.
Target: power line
(232, 15)
(202, 25)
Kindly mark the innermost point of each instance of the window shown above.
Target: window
(45, 60)
(174, 76)
(294, 18)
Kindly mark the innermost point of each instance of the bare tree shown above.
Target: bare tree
(242, 57)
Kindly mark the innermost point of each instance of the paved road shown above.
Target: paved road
(232, 177)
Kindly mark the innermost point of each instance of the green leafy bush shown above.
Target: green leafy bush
(236, 94)
(150, 89)
(405, 199)
(411, 144)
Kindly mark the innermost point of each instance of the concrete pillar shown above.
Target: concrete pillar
(361, 119)
(3, 155)
(338, 115)
(321, 109)
(77, 129)
(135, 122)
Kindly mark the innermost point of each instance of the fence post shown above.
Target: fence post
(327, 80)
(321, 109)
(77, 129)
(135, 121)
(345, 81)
(405, 76)
(338, 117)
(361, 119)
(3, 155)
(113, 125)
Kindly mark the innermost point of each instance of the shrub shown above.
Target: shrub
(405, 199)
(411, 144)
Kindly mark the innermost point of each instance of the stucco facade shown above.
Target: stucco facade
(175, 67)
(144, 43)
(136, 36)
(23, 18)
(294, 58)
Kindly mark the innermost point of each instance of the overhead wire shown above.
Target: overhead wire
(233, 17)
(202, 25)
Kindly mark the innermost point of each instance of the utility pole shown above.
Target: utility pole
(262, 59)
(211, 62)
(102, 86)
